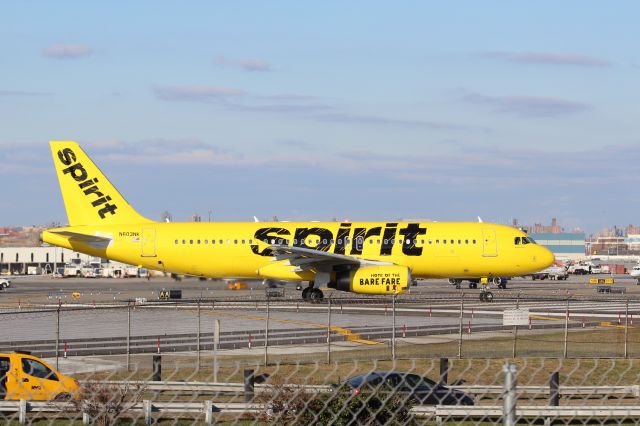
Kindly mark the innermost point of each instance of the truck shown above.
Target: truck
(556, 273)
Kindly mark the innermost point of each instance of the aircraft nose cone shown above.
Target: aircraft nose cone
(546, 257)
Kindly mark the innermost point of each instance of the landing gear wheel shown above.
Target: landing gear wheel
(316, 295)
(305, 293)
(486, 296)
(473, 285)
(502, 286)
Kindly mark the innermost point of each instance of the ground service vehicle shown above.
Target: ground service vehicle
(357, 257)
(23, 376)
(419, 389)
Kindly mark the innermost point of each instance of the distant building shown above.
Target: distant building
(564, 245)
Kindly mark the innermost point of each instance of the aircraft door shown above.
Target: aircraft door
(148, 242)
(489, 243)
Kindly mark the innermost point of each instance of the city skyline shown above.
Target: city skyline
(359, 111)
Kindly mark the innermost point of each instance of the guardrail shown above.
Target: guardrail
(441, 413)
(238, 388)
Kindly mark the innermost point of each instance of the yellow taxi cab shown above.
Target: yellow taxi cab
(24, 376)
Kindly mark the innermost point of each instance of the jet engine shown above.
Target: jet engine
(373, 280)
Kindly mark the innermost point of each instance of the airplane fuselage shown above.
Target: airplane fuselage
(236, 249)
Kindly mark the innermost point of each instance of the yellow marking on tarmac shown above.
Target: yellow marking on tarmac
(542, 317)
(350, 335)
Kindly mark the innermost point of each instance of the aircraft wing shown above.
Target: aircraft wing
(305, 259)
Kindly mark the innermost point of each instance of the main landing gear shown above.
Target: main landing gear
(312, 294)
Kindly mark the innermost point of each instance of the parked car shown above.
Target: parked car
(417, 388)
(23, 376)
(4, 283)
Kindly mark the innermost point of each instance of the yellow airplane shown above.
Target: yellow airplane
(358, 257)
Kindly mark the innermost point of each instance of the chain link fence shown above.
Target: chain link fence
(378, 361)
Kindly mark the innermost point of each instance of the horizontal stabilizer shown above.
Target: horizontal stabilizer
(92, 240)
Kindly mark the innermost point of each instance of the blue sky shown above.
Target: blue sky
(353, 110)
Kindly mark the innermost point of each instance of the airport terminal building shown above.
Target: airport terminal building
(46, 260)
(565, 245)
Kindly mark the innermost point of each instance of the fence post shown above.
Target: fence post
(198, 340)
(22, 417)
(444, 370)
(129, 336)
(566, 330)
(157, 368)
(208, 412)
(216, 342)
(266, 335)
(515, 331)
(393, 328)
(58, 333)
(626, 330)
(148, 419)
(249, 381)
(554, 389)
(460, 331)
(86, 418)
(509, 395)
(329, 331)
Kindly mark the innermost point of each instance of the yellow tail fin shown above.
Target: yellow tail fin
(89, 197)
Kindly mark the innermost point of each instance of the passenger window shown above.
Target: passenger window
(339, 241)
(474, 241)
(452, 241)
(235, 241)
(222, 241)
(213, 241)
(466, 241)
(430, 241)
(37, 369)
(377, 241)
(324, 241)
(184, 241)
(206, 241)
(386, 241)
(190, 241)
(459, 241)
(176, 241)
(437, 241)
(250, 241)
(444, 241)
(198, 241)
(242, 241)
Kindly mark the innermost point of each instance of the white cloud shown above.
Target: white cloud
(67, 51)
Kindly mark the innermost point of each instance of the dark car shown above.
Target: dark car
(417, 388)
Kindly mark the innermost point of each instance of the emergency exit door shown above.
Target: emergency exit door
(489, 243)
(148, 242)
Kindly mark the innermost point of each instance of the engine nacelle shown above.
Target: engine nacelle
(374, 280)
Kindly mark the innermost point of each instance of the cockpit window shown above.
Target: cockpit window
(525, 240)
(517, 241)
